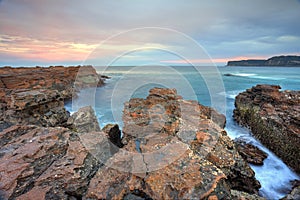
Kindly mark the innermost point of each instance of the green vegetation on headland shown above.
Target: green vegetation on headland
(274, 61)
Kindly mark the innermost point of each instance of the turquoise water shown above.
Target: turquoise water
(216, 87)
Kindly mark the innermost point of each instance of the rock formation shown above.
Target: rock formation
(250, 153)
(172, 148)
(36, 95)
(273, 117)
(274, 61)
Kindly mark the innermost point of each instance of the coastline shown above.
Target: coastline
(273, 61)
(89, 120)
(46, 105)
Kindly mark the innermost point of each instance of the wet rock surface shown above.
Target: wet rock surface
(274, 118)
(171, 149)
(250, 153)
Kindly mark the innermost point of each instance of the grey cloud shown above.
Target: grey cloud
(224, 28)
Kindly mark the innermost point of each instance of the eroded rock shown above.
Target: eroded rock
(250, 153)
(274, 118)
(36, 95)
(172, 150)
(84, 120)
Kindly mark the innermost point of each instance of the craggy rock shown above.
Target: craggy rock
(49, 163)
(55, 78)
(36, 95)
(84, 120)
(39, 107)
(26, 153)
(172, 151)
(238, 195)
(274, 118)
(239, 174)
(250, 153)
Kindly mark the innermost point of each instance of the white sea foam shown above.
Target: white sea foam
(243, 74)
(230, 94)
(275, 176)
(268, 78)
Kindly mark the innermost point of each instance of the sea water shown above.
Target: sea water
(195, 84)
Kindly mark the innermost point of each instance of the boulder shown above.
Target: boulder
(84, 120)
(250, 153)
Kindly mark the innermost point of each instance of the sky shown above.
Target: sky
(140, 32)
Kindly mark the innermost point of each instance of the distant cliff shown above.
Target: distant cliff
(274, 61)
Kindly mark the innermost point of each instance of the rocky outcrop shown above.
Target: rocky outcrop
(273, 117)
(172, 150)
(274, 61)
(51, 162)
(57, 78)
(37, 107)
(36, 95)
(250, 153)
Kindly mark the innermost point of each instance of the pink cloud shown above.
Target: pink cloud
(213, 60)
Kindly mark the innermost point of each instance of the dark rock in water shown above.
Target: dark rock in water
(273, 117)
(228, 74)
(114, 134)
(250, 153)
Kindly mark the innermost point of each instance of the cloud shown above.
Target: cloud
(64, 30)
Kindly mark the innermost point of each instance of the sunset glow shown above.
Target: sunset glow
(34, 32)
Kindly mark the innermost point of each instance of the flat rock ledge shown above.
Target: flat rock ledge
(274, 118)
(36, 95)
(171, 149)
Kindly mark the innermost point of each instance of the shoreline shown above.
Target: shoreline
(50, 118)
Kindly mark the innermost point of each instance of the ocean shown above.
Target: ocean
(211, 86)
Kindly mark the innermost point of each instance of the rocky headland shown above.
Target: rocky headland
(274, 118)
(36, 95)
(171, 148)
(281, 61)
